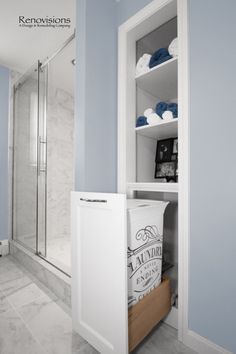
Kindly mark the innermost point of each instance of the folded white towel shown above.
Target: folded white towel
(143, 64)
(153, 119)
(148, 111)
(167, 115)
(173, 48)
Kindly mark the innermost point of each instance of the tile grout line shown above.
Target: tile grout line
(27, 327)
(29, 330)
(36, 281)
(43, 294)
(43, 288)
(16, 309)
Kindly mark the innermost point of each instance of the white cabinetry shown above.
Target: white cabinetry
(99, 270)
(99, 224)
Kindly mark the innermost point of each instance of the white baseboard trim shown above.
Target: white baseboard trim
(4, 247)
(202, 345)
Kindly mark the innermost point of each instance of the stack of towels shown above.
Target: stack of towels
(164, 112)
(148, 61)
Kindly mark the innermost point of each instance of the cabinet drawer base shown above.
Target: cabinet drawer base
(148, 312)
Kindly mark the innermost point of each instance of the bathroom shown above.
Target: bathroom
(69, 99)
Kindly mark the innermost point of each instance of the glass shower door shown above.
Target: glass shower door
(29, 165)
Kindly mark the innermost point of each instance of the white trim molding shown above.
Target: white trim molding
(129, 32)
(184, 168)
(202, 345)
(145, 21)
(142, 23)
(4, 247)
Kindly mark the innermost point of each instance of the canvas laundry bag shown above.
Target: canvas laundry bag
(145, 244)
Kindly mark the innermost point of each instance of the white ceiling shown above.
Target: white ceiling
(21, 47)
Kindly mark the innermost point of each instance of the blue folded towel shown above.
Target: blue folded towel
(161, 107)
(173, 107)
(141, 121)
(159, 57)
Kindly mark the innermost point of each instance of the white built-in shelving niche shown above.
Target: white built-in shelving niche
(159, 83)
(137, 145)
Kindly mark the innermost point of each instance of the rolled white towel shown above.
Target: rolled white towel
(148, 111)
(143, 64)
(153, 119)
(167, 115)
(173, 47)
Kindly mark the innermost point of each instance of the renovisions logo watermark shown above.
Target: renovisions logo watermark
(52, 22)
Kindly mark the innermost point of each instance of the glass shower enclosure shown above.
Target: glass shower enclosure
(29, 161)
(43, 157)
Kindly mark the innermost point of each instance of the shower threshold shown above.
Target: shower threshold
(49, 275)
(58, 251)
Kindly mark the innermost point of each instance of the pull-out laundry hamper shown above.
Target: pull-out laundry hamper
(145, 244)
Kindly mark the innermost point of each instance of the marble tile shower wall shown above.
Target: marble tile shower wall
(60, 162)
(25, 170)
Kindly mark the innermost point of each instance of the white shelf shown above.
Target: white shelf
(161, 130)
(154, 187)
(161, 81)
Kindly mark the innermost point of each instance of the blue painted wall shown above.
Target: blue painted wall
(96, 96)
(96, 125)
(212, 305)
(127, 8)
(4, 103)
(213, 169)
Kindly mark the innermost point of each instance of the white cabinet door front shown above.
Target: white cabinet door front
(99, 270)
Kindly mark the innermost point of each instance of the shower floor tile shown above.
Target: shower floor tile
(59, 253)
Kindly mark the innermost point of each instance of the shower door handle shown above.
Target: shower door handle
(40, 144)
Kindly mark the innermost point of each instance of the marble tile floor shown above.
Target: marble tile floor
(163, 340)
(34, 321)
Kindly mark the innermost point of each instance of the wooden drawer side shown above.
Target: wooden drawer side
(148, 312)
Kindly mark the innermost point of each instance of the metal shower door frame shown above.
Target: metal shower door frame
(16, 86)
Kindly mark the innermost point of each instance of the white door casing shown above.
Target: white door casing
(143, 22)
